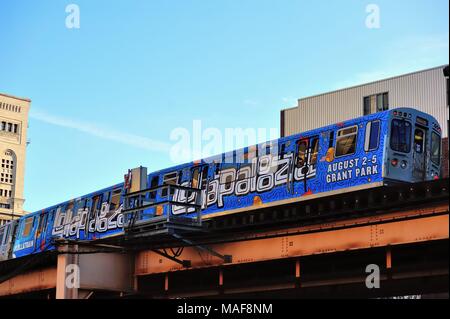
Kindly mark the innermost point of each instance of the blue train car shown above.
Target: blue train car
(400, 145)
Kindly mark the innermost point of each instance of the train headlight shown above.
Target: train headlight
(394, 162)
(404, 164)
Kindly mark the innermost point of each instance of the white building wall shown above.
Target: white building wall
(423, 90)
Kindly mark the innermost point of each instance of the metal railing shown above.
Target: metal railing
(138, 206)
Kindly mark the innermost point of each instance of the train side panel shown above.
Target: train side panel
(345, 155)
(94, 216)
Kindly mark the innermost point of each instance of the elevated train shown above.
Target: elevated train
(399, 145)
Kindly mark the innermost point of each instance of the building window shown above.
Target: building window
(8, 164)
(376, 103)
(9, 127)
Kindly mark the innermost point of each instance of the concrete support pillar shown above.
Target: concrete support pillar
(67, 273)
(80, 275)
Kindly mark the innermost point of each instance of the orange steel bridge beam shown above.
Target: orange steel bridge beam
(412, 226)
(35, 280)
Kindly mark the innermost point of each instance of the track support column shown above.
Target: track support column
(297, 273)
(389, 262)
(67, 273)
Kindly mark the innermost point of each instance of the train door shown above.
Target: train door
(306, 158)
(49, 227)
(199, 176)
(4, 241)
(419, 153)
(199, 180)
(93, 215)
(41, 233)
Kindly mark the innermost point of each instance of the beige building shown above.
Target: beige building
(424, 90)
(13, 144)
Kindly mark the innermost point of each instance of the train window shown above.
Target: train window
(421, 121)
(204, 176)
(283, 149)
(40, 222)
(372, 136)
(115, 199)
(195, 175)
(419, 140)
(314, 150)
(245, 171)
(153, 184)
(252, 153)
(228, 181)
(80, 204)
(216, 168)
(401, 136)
(169, 179)
(346, 141)
(8, 230)
(27, 226)
(302, 148)
(435, 148)
(95, 206)
(331, 140)
(303, 145)
(2, 234)
(265, 149)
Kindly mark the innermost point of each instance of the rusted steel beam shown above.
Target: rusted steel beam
(35, 280)
(288, 244)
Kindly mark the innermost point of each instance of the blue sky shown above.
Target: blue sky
(107, 96)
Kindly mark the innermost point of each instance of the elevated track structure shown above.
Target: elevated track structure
(319, 248)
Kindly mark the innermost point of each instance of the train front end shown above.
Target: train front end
(413, 151)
